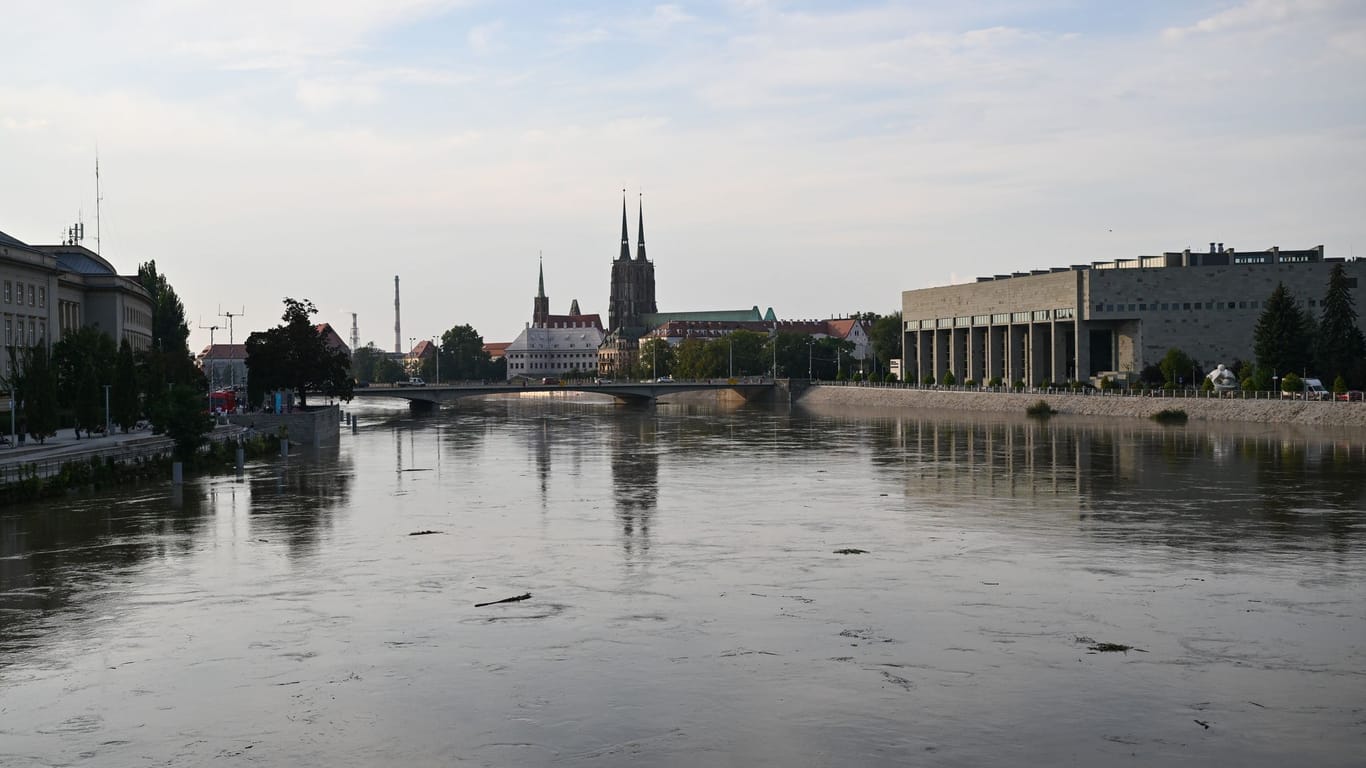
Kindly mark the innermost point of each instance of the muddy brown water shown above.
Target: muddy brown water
(688, 605)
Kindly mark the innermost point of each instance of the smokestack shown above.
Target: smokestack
(1211, 248)
(398, 344)
(355, 333)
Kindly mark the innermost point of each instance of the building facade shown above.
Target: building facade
(554, 345)
(47, 290)
(1103, 318)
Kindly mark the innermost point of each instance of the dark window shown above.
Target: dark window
(1242, 305)
(1351, 282)
(1131, 307)
(1165, 307)
(1142, 307)
(1187, 305)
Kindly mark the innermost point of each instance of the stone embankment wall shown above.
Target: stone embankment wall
(321, 426)
(1336, 414)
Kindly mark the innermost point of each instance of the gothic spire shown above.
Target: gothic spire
(540, 287)
(640, 228)
(625, 237)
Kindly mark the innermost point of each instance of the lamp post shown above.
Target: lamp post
(654, 361)
(106, 410)
(438, 361)
(731, 361)
(1275, 385)
(810, 345)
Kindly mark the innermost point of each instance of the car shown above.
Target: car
(1353, 395)
(665, 379)
(602, 381)
(550, 380)
(416, 381)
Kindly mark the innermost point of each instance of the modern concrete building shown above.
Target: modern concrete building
(1117, 317)
(46, 290)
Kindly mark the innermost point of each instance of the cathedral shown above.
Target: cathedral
(632, 301)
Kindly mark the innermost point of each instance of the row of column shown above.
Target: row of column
(1028, 352)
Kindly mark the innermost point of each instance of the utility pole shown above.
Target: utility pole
(438, 361)
(106, 410)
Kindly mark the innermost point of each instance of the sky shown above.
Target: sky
(813, 157)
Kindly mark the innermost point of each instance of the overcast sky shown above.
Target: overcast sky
(816, 157)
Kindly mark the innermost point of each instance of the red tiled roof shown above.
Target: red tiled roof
(224, 352)
(423, 348)
(497, 349)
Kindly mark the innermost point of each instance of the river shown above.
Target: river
(689, 604)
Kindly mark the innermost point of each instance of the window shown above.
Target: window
(32, 332)
(1164, 307)
(32, 295)
(42, 296)
(1187, 305)
(9, 331)
(1242, 305)
(9, 298)
(18, 292)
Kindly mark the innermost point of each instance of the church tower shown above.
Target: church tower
(633, 281)
(540, 310)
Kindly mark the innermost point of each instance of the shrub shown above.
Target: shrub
(1339, 385)
(1249, 384)
(1170, 416)
(1207, 386)
(948, 379)
(1019, 384)
(928, 380)
(1107, 383)
(890, 378)
(1041, 408)
(1291, 383)
(973, 383)
(994, 381)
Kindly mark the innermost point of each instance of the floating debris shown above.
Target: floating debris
(851, 551)
(1114, 648)
(1203, 723)
(516, 599)
(423, 533)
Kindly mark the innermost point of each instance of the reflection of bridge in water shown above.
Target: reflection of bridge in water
(635, 392)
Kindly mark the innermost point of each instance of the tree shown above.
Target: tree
(886, 338)
(84, 361)
(1281, 339)
(125, 405)
(791, 352)
(1178, 366)
(463, 356)
(656, 359)
(689, 359)
(33, 383)
(170, 332)
(296, 356)
(181, 414)
(1339, 345)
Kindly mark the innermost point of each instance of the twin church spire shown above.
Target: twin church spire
(626, 236)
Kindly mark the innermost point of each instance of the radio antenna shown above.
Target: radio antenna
(229, 315)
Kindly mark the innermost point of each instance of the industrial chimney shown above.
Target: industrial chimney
(398, 344)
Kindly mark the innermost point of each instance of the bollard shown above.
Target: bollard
(177, 473)
(353, 423)
(241, 459)
(317, 439)
(284, 446)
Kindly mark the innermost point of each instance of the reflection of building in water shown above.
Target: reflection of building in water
(635, 479)
(1174, 486)
(295, 500)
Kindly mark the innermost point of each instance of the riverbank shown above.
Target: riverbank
(1335, 414)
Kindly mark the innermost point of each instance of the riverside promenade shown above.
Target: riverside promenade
(1198, 406)
(47, 458)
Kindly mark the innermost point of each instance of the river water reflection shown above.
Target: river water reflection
(688, 605)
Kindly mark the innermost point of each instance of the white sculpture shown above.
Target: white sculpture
(1223, 379)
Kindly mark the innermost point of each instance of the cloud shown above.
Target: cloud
(1250, 14)
(483, 38)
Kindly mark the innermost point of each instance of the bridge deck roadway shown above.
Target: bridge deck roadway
(645, 391)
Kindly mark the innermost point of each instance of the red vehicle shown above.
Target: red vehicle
(223, 401)
(1354, 395)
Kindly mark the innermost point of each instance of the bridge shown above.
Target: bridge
(631, 392)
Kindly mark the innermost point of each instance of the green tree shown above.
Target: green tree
(126, 396)
(33, 383)
(463, 356)
(364, 362)
(1281, 339)
(170, 333)
(84, 361)
(656, 359)
(1339, 345)
(790, 349)
(745, 353)
(886, 338)
(296, 356)
(1178, 366)
(690, 359)
(182, 415)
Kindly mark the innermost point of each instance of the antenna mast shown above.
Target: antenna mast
(229, 315)
(97, 200)
(210, 329)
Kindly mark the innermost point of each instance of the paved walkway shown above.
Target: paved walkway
(65, 446)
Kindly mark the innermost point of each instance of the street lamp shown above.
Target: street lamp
(1275, 384)
(731, 360)
(810, 345)
(106, 410)
(438, 362)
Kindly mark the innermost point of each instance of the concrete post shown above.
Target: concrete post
(177, 473)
